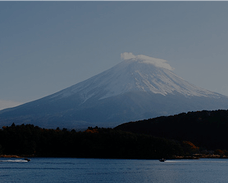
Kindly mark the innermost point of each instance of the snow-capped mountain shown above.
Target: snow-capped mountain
(139, 87)
(134, 76)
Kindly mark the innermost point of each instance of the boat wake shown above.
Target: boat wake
(178, 161)
(16, 160)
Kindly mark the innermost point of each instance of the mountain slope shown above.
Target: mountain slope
(137, 88)
(207, 129)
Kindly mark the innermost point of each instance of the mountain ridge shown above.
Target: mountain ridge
(139, 87)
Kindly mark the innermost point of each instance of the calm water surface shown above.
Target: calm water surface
(114, 171)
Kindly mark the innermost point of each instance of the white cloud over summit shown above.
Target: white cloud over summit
(146, 59)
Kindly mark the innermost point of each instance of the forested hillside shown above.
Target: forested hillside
(206, 129)
(30, 140)
(179, 135)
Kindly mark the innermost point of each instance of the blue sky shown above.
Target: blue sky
(48, 46)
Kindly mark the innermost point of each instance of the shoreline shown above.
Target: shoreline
(14, 156)
(175, 157)
(10, 156)
(200, 156)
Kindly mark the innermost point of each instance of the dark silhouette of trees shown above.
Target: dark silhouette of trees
(92, 143)
(162, 137)
(206, 129)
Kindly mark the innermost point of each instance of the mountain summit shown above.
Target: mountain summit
(139, 87)
(135, 74)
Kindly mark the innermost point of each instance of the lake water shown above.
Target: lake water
(113, 171)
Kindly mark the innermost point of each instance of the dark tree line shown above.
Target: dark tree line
(92, 143)
(206, 129)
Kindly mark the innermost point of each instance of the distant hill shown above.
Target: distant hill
(137, 88)
(206, 129)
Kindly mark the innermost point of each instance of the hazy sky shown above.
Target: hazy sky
(48, 46)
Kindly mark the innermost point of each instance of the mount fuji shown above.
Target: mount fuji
(140, 87)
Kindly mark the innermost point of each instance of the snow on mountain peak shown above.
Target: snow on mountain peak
(146, 59)
(137, 73)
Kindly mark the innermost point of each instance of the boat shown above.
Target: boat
(162, 160)
(27, 159)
